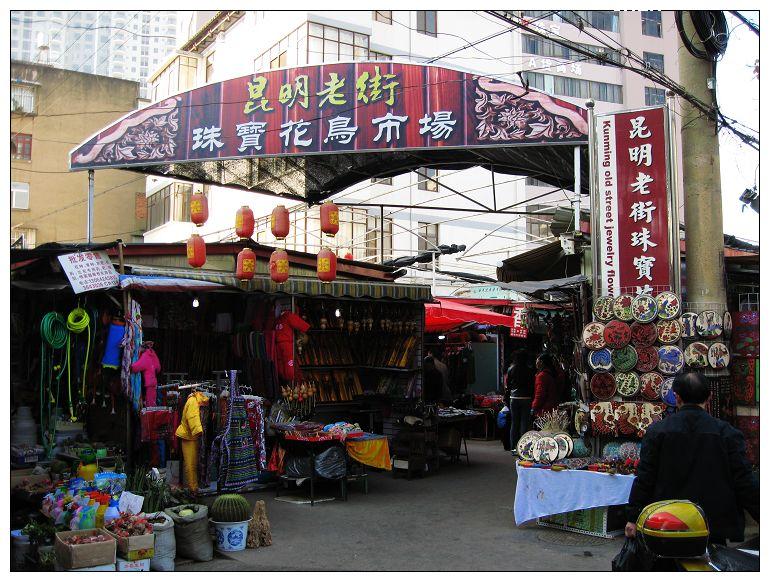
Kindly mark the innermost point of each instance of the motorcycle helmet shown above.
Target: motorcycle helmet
(673, 529)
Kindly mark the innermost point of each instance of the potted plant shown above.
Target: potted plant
(230, 514)
(41, 536)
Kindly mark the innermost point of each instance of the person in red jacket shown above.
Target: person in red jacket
(546, 391)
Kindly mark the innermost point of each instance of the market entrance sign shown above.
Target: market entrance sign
(89, 271)
(636, 242)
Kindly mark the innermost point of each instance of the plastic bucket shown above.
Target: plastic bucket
(20, 547)
(231, 535)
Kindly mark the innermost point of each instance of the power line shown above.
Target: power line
(87, 28)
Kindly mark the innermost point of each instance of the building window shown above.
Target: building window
(599, 19)
(538, 225)
(373, 251)
(23, 238)
(654, 96)
(171, 203)
(570, 87)
(651, 23)
(426, 22)
(20, 195)
(387, 181)
(424, 183)
(279, 61)
(428, 237)
(654, 61)
(23, 98)
(530, 181)
(209, 67)
(535, 45)
(21, 146)
(384, 16)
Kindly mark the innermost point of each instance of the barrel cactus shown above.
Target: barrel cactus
(230, 508)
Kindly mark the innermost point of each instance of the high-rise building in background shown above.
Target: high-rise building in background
(126, 44)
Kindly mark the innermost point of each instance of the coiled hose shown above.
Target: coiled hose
(54, 336)
(78, 321)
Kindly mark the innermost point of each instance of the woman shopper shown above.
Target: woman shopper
(518, 382)
(546, 391)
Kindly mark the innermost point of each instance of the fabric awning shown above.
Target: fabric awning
(160, 283)
(447, 314)
(530, 287)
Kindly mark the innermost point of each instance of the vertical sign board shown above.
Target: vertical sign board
(519, 328)
(89, 271)
(633, 203)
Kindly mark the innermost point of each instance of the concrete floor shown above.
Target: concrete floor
(457, 519)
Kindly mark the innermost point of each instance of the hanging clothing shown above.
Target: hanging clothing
(256, 414)
(238, 466)
(149, 365)
(190, 431)
(285, 327)
(132, 340)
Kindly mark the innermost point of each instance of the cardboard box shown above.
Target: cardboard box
(84, 555)
(133, 566)
(103, 568)
(136, 547)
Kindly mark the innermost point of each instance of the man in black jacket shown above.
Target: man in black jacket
(692, 455)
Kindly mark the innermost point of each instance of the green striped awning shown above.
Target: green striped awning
(298, 285)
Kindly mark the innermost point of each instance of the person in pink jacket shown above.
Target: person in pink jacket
(149, 365)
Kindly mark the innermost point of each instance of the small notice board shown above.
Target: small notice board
(89, 271)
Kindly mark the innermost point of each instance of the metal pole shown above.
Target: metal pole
(433, 283)
(90, 225)
(577, 188)
(593, 174)
(673, 194)
(382, 234)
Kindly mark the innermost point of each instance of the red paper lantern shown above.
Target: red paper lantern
(330, 218)
(199, 209)
(244, 222)
(196, 251)
(327, 265)
(349, 256)
(279, 222)
(246, 265)
(279, 266)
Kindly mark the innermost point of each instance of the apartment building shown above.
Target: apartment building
(236, 43)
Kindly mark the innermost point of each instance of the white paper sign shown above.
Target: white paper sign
(89, 271)
(130, 503)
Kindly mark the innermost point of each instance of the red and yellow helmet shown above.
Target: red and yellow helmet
(673, 529)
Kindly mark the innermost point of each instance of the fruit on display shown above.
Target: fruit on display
(128, 525)
(79, 540)
(186, 513)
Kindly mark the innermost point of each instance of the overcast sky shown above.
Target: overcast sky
(738, 96)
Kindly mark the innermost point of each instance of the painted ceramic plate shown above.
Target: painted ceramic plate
(600, 360)
(668, 305)
(624, 359)
(526, 444)
(627, 383)
(671, 360)
(621, 307)
(603, 308)
(669, 332)
(643, 334)
(565, 444)
(630, 450)
(617, 334)
(593, 335)
(709, 324)
(611, 450)
(667, 393)
(545, 450)
(581, 448)
(644, 308)
(719, 356)
(696, 355)
(689, 325)
(603, 386)
(727, 325)
(647, 359)
(650, 385)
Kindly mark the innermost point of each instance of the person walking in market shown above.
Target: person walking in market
(519, 388)
(546, 394)
(692, 455)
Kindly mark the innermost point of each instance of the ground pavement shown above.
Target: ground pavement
(457, 519)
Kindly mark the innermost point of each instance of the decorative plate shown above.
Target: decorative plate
(526, 444)
(600, 360)
(647, 359)
(617, 334)
(545, 450)
(668, 305)
(603, 386)
(630, 450)
(651, 383)
(671, 360)
(565, 444)
(696, 355)
(603, 420)
(611, 450)
(603, 307)
(719, 356)
(643, 334)
(727, 325)
(689, 325)
(581, 448)
(624, 412)
(644, 308)
(575, 463)
(627, 383)
(621, 307)
(593, 335)
(669, 332)
(709, 324)
(667, 393)
(582, 419)
(624, 359)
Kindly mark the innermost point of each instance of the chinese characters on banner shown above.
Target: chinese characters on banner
(89, 271)
(519, 328)
(633, 203)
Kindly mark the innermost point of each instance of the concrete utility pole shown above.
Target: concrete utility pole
(704, 237)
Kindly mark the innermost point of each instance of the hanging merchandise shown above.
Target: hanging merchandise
(246, 265)
(117, 330)
(279, 266)
(54, 336)
(327, 265)
(199, 209)
(149, 366)
(132, 341)
(238, 466)
(279, 222)
(244, 222)
(284, 343)
(330, 219)
(189, 432)
(196, 251)
(78, 321)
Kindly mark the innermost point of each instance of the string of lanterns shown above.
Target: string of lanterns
(246, 264)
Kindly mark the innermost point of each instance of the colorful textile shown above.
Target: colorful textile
(238, 466)
(155, 423)
(256, 415)
(371, 450)
(149, 366)
(745, 380)
(203, 458)
(277, 459)
(749, 426)
(190, 428)
(190, 455)
(745, 336)
(132, 340)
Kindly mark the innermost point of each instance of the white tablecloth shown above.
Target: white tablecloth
(541, 492)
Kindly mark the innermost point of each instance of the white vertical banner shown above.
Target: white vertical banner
(608, 207)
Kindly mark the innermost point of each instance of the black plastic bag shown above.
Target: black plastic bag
(331, 463)
(631, 558)
(297, 466)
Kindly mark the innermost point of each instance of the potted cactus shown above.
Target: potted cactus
(230, 514)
